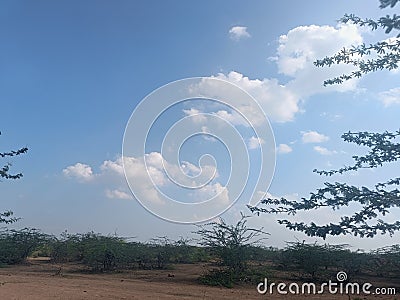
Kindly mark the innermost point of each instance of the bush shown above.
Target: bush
(17, 245)
(231, 245)
(100, 253)
(217, 277)
(386, 261)
(106, 253)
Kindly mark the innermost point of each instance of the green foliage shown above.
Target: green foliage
(368, 58)
(231, 245)
(218, 277)
(226, 277)
(309, 258)
(259, 253)
(106, 253)
(386, 261)
(230, 242)
(353, 263)
(111, 253)
(99, 253)
(102, 253)
(168, 251)
(6, 217)
(17, 245)
(321, 262)
(4, 171)
(374, 202)
(386, 3)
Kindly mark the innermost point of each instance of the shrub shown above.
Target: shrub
(230, 244)
(17, 245)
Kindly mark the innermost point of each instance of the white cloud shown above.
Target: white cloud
(331, 117)
(390, 97)
(113, 166)
(154, 166)
(209, 191)
(284, 148)
(278, 102)
(255, 142)
(197, 115)
(323, 150)
(313, 137)
(117, 194)
(206, 135)
(80, 171)
(186, 174)
(238, 32)
(301, 46)
(232, 117)
(295, 57)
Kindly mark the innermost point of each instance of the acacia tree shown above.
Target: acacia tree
(383, 148)
(368, 58)
(230, 242)
(6, 217)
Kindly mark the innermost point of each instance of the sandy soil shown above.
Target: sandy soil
(40, 279)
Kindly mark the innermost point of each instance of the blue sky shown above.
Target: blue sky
(72, 72)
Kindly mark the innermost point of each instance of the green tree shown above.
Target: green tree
(231, 245)
(368, 58)
(6, 217)
(383, 148)
(230, 242)
(17, 245)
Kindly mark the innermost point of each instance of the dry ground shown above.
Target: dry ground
(41, 279)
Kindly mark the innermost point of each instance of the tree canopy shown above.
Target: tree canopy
(5, 170)
(382, 55)
(383, 147)
(6, 217)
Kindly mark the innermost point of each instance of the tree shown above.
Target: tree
(230, 242)
(6, 217)
(368, 58)
(383, 148)
(4, 171)
(17, 245)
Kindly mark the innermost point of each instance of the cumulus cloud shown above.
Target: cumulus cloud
(255, 142)
(296, 53)
(323, 150)
(390, 97)
(161, 171)
(210, 191)
(238, 32)
(152, 173)
(301, 46)
(313, 137)
(80, 171)
(277, 101)
(283, 149)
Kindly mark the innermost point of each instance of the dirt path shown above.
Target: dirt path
(43, 280)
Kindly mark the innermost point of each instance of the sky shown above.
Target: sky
(73, 72)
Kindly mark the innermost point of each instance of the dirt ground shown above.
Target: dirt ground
(41, 279)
